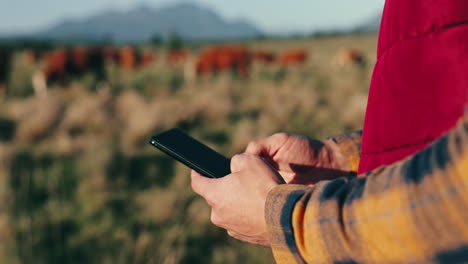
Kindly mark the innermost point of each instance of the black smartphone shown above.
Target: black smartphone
(192, 153)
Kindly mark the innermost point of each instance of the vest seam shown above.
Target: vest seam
(425, 141)
(439, 29)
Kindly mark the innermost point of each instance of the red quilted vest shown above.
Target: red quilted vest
(420, 83)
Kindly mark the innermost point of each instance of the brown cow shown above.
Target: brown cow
(222, 58)
(61, 65)
(128, 58)
(131, 59)
(94, 63)
(293, 57)
(110, 54)
(147, 58)
(349, 56)
(178, 56)
(78, 59)
(55, 65)
(54, 69)
(265, 57)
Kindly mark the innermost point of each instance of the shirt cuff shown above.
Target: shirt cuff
(278, 215)
(350, 147)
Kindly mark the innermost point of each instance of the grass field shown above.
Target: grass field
(80, 183)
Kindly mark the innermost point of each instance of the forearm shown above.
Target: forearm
(412, 211)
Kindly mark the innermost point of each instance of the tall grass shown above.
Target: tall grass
(80, 184)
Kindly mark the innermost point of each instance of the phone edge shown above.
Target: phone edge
(181, 159)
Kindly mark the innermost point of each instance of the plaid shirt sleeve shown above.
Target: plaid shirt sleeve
(413, 211)
(350, 146)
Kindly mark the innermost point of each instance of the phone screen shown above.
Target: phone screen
(192, 153)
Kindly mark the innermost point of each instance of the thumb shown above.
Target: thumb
(202, 185)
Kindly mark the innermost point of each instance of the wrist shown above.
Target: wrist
(332, 156)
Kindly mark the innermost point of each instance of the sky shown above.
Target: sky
(274, 16)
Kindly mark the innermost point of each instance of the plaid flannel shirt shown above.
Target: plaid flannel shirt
(413, 211)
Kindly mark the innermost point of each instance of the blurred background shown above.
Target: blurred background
(84, 84)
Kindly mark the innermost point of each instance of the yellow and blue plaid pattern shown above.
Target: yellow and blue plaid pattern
(414, 211)
(350, 147)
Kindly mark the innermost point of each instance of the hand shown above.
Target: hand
(299, 159)
(238, 200)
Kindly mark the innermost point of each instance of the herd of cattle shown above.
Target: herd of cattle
(60, 65)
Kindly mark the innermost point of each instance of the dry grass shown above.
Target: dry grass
(81, 184)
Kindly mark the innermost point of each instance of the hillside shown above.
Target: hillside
(189, 21)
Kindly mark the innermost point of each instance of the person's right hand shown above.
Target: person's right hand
(301, 160)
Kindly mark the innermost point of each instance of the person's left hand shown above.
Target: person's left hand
(238, 200)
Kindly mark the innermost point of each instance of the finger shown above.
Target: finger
(217, 220)
(257, 147)
(249, 239)
(232, 234)
(267, 147)
(238, 236)
(235, 234)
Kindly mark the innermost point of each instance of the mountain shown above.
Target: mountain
(189, 21)
(370, 26)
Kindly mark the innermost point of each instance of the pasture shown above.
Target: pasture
(80, 184)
